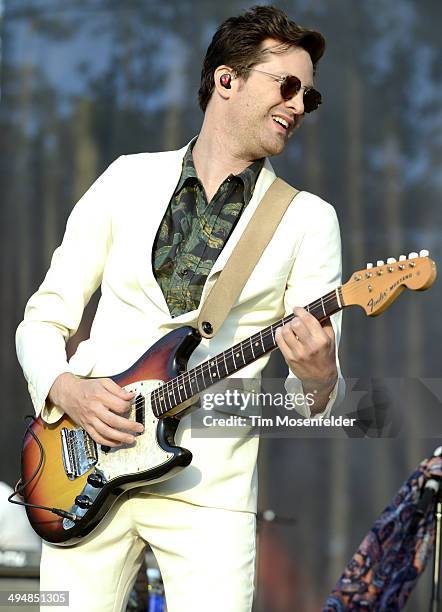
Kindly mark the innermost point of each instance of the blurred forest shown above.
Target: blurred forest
(84, 81)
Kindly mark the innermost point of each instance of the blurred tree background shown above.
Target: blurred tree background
(84, 81)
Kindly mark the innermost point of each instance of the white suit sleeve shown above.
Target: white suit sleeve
(316, 270)
(54, 312)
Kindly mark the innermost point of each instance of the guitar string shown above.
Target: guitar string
(185, 378)
(265, 333)
(178, 382)
(170, 387)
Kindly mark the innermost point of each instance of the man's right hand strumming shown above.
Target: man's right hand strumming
(96, 406)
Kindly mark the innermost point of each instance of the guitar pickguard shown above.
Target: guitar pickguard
(145, 453)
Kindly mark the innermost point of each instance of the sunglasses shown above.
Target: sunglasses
(291, 85)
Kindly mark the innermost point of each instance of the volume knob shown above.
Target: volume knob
(96, 480)
(83, 501)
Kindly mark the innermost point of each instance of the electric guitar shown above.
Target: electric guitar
(69, 482)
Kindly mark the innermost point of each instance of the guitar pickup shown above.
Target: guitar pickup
(140, 404)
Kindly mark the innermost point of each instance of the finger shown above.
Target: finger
(115, 389)
(112, 434)
(112, 402)
(328, 329)
(316, 330)
(311, 322)
(102, 439)
(297, 328)
(330, 334)
(289, 346)
(118, 422)
(322, 335)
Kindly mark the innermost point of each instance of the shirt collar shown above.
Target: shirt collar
(248, 176)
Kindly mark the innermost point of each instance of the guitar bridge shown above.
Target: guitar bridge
(79, 452)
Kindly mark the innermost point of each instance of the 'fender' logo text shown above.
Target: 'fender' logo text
(376, 301)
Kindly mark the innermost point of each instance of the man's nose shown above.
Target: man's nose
(296, 102)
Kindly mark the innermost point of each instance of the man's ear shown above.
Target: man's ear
(224, 77)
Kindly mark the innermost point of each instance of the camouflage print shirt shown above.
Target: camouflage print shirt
(193, 232)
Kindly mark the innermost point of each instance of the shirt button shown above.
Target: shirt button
(185, 272)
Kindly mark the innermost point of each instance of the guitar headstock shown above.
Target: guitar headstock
(376, 287)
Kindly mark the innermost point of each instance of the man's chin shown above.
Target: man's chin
(275, 147)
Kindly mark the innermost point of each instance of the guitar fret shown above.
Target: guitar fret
(187, 386)
(269, 342)
(242, 353)
(256, 343)
(246, 352)
(172, 392)
(213, 369)
(316, 311)
(251, 347)
(195, 378)
(179, 386)
(233, 357)
(165, 397)
(190, 384)
(225, 363)
(202, 384)
(338, 300)
(237, 351)
(196, 383)
(231, 362)
(169, 394)
(184, 386)
(153, 403)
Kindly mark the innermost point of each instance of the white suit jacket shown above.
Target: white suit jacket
(109, 238)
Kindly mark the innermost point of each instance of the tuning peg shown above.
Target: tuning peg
(402, 257)
(391, 260)
(369, 266)
(424, 253)
(412, 255)
(380, 262)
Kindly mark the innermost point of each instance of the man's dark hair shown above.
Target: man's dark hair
(237, 43)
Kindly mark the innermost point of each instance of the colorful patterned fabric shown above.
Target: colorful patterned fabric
(193, 232)
(384, 570)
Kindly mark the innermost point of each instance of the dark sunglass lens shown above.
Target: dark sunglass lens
(312, 99)
(290, 87)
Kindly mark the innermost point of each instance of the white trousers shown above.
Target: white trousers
(206, 557)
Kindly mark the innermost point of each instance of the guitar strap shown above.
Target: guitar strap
(245, 256)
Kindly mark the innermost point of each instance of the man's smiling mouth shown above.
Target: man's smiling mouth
(281, 121)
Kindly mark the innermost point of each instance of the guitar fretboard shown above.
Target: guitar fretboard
(192, 382)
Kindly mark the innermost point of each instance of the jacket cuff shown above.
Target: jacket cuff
(39, 396)
(294, 385)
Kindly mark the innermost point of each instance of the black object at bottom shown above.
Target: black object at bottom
(435, 592)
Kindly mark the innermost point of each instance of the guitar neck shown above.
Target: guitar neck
(192, 382)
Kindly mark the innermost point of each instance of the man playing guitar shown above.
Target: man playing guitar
(154, 231)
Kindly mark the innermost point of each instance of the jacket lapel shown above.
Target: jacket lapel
(158, 191)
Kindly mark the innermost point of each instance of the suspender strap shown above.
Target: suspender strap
(244, 257)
